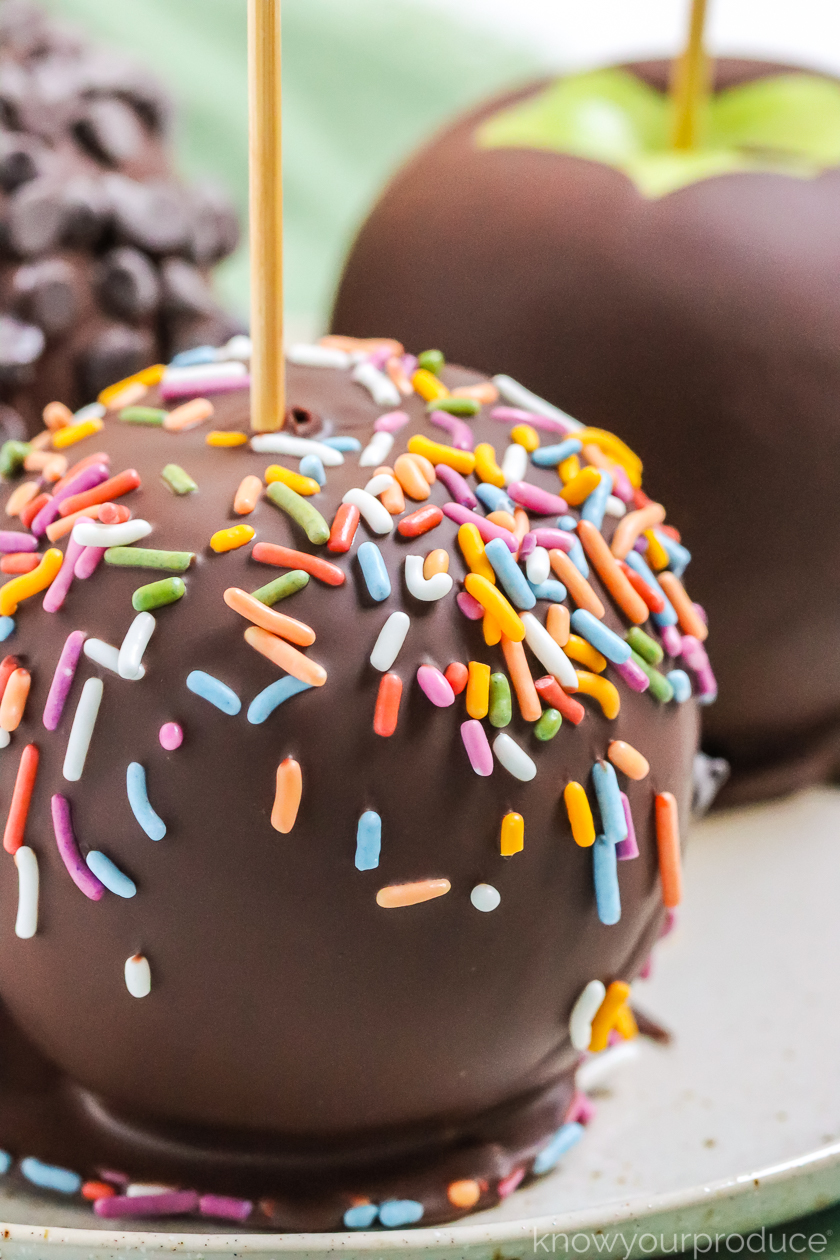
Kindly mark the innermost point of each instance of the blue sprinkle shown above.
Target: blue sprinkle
(48, 1177)
(605, 866)
(192, 358)
(576, 554)
(601, 637)
(93, 411)
(495, 499)
(374, 571)
(509, 574)
(7, 625)
(311, 466)
(398, 1212)
(551, 456)
(218, 693)
(341, 443)
(263, 705)
(595, 505)
(668, 616)
(567, 1136)
(361, 1217)
(368, 841)
(5, 1162)
(567, 522)
(681, 683)
(110, 875)
(609, 802)
(551, 590)
(678, 555)
(154, 827)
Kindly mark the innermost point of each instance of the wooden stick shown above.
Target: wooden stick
(690, 83)
(268, 385)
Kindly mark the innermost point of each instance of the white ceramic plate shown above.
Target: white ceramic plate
(735, 1126)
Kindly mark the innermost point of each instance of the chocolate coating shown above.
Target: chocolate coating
(700, 326)
(299, 1041)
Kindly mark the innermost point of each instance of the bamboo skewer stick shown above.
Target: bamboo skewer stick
(268, 385)
(690, 84)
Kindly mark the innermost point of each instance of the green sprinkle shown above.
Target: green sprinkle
(455, 406)
(12, 455)
(178, 481)
(142, 415)
(309, 518)
(660, 688)
(294, 580)
(644, 645)
(148, 558)
(501, 710)
(431, 360)
(157, 594)
(548, 725)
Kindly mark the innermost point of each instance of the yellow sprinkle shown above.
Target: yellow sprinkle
(72, 433)
(462, 461)
(492, 630)
(581, 486)
(525, 436)
(472, 549)
(657, 556)
(129, 395)
(295, 481)
(580, 814)
(494, 602)
(30, 583)
(602, 690)
(607, 1016)
(513, 834)
(615, 449)
(428, 386)
(486, 468)
(230, 539)
(625, 1023)
(149, 376)
(221, 438)
(579, 650)
(478, 690)
(568, 469)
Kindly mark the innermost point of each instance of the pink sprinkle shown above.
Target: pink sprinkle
(621, 484)
(409, 364)
(508, 1184)
(86, 479)
(633, 675)
(380, 357)
(203, 386)
(460, 433)
(478, 747)
(515, 415)
(487, 530)
(391, 422)
(669, 924)
(226, 1208)
(647, 970)
(581, 1111)
(435, 686)
(457, 487)
(63, 678)
(61, 583)
(533, 499)
(113, 514)
(12, 540)
(701, 613)
(629, 848)
(549, 538)
(88, 561)
(671, 640)
(469, 606)
(171, 736)
(178, 1203)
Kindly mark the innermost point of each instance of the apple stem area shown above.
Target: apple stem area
(690, 84)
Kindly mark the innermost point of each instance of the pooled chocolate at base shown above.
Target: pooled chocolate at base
(300, 1043)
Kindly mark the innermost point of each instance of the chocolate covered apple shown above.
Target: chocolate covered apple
(687, 298)
(344, 775)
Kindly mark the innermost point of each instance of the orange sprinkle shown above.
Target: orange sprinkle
(500, 517)
(19, 562)
(73, 433)
(667, 842)
(287, 796)
(35, 461)
(149, 376)
(275, 622)
(21, 796)
(602, 690)
(29, 584)
(222, 437)
(111, 513)
(130, 394)
(368, 345)
(286, 657)
(56, 415)
(690, 620)
(606, 566)
(632, 526)
(54, 468)
(463, 1194)
(521, 523)
(28, 513)
(105, 492)
(231, 538)
(247, 495)
(396, 372)
(457, 675)
(14, 699)
(513, 835)
(485, 392)
(93, 1190)
(628, 759)
(411, 479)
(578, 587)
(436, 561)
(288, 558)
(294, 480)
(523, 683)
(20, 496)
(557, 622)
(427, 468)
(397, 895)
(605, 1017)
(64, 524)
(43, 441)
(392, 496)
(189, 415)
(387, 709)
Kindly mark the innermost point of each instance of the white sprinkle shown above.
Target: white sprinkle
(515, 463)
(376, 515)
(547, 651)
(615, 507)
(518, 396)
(379, 484)
(84, 721)
(121, 535)
(595, 1070)
(297, 447)
(485, 897)
(381, 388)
(427, 589)
(317, 356)
(204, 372)
(538, 566)
(377, 450)
(4, 738)
(134, 645)
(583, 1013)
(144, 1189)
(239, 347)
(514, 759)
(387, 647)
(138, 976)
(26, 923)
(108, 657)
(93, 411)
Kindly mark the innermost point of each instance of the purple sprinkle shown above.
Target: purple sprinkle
(79, 872)
(640, 545)
(460, 433)
(534, 499)
(222, 1206)
(380, 357)
(391, 422)
(456, 486)
(88, 561)
(701, 613)
(487, 530)
(435, 686)
(116, 1178)
(177, 1203)
(629, 848)
(478, 747)
(671, 640)
(515, 415)
(61, 583)
(469, 606)
(633, 675)
(89, 477)
(550, 538)
(409, 364)
(63, 679)
(171, 736)
(11, 540)
(202, 387)
(528, 545)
